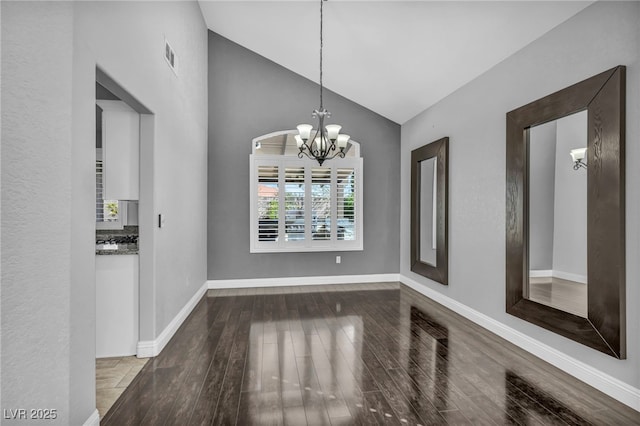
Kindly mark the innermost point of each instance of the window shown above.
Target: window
(109, 213)
(297, 205)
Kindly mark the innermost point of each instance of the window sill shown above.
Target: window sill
(353, 247)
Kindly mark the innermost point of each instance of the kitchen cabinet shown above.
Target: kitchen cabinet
(116, 305)
(120, 150)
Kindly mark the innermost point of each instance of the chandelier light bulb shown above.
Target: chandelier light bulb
(342, 141)
(333, 130)
(299, 141)
(305, 131)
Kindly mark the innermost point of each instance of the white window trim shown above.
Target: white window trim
(306, 245)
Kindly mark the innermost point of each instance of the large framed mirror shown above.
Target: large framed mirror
(565, 212)
(429, 210)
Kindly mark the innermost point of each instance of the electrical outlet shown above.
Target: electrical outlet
(338, 259)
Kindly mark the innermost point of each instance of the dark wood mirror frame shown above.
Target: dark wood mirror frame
(440, 150)
(603, 96)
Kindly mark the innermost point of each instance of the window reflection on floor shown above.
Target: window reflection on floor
(308, 367)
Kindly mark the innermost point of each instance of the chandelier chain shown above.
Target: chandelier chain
(326, 142)
(321, 44)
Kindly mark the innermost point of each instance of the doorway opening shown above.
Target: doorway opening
(124, 237)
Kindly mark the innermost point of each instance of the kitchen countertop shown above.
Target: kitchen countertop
(105, 235)
(116, 249)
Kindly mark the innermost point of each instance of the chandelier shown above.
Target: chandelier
(326, 142)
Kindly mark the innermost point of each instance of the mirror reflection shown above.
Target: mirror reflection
(428, 213)
(558, 214)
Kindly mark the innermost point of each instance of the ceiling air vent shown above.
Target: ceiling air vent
(170, 57)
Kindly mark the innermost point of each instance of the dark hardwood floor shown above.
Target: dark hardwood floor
(358, 357)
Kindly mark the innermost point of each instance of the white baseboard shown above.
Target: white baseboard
(558, 274)
(570, 277)
(538, 273)
(298, 281)
(93, 420)
(607, 384)
(151, 348)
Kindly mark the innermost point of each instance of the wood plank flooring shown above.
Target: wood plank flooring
(347, 356)
(568, 296)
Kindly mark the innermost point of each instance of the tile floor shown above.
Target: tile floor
(113, 375)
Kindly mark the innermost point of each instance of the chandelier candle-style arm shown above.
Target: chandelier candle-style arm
(308, 153)
(322, 144)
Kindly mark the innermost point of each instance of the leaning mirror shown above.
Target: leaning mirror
(429, 214)
(565, 236)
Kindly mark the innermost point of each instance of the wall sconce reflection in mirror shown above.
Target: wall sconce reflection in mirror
(577, 155)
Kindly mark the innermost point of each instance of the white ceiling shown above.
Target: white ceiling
(396, 58)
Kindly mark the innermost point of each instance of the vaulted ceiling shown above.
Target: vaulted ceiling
(396, 58)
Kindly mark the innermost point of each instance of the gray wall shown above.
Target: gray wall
(251, 96)
(37, 153)
(542, 155)
(49, 55)
(600, 37)
(125, 40)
